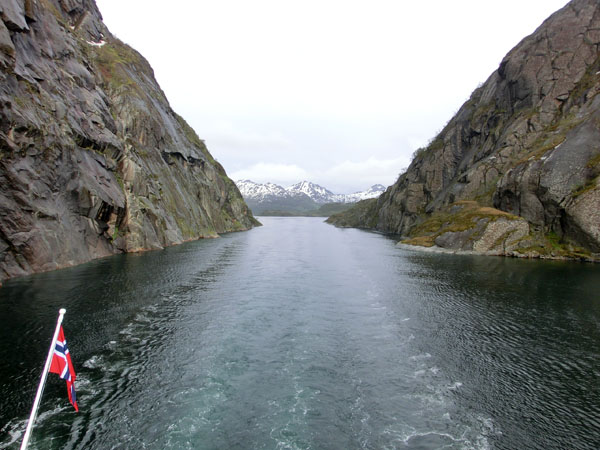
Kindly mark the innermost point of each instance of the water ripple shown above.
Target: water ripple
(298, 335)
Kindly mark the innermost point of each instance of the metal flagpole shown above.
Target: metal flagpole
(40, 390)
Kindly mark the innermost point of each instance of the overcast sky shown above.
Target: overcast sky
(336, 92)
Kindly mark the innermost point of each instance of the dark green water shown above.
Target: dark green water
(299, 335)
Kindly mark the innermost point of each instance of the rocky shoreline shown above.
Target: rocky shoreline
(512, 254)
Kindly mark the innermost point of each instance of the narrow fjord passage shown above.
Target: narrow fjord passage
(301, 335)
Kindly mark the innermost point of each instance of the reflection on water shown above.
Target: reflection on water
(301, 335)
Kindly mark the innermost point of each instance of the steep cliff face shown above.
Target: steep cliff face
(527, 143)
(93, 160)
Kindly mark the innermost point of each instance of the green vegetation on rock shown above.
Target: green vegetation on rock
(362, 215)
(114, 60)
(586, 187)
(525, 145)
(460, 216)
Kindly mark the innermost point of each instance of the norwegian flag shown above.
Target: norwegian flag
(62, 365)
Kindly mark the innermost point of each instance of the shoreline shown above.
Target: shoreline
(50, 267)
(513, 254)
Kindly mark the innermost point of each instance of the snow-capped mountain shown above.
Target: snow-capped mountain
(317, 193)
(374, 191)
(303, 196)
(257, 191)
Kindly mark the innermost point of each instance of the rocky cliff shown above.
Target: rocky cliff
(516, 170)
(93, 160)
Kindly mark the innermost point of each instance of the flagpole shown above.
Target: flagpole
(40, 390)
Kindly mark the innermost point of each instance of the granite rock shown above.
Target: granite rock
(526, 142)
(93, 160)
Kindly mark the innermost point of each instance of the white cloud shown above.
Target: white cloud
(282, 174)
(416, 142)
(291, 90)
(226, 135)
(343, 178)
(352, 176)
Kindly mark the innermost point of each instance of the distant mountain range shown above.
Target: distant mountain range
(300, 198)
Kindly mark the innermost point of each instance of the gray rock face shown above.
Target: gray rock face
(488, 237)
(526, 142)
(93, 160)
(501, 236)
(13, 14)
